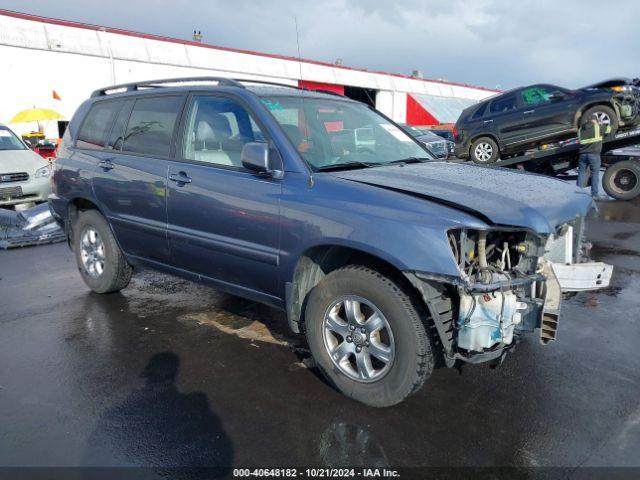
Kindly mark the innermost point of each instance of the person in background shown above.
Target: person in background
(590, 136)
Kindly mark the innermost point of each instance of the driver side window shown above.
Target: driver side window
(536, 95)
(217, 130)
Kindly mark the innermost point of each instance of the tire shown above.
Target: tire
(402, 339)
(101, 264)
(622, 180)
(607, 114)
(484, 150)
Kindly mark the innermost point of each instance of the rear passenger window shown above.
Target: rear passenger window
(116, 138)
(97, 125)
(151, 125)
(504, 104)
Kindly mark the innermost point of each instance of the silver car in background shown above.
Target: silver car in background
(24, 175)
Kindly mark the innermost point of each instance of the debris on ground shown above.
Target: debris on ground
(33, 226)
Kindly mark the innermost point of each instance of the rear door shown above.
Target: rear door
(131, 183)
(543, 117)
(504, 119)
(223, 220)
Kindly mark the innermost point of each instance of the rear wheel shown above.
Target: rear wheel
(606, 116)
(622, 180)
(367, 337)
(100, 261)
(484, 150)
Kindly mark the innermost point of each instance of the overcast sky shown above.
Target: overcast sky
(493, 43)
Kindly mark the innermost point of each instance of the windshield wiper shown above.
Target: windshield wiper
(348, 166)
(408, 160)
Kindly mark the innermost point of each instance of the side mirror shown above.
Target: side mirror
(259, 158)
(557, 96)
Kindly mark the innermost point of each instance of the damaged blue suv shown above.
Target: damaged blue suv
(388, 261)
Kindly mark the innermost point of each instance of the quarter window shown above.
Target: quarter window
(150, 127)
(217, 130)
(504, 104)
(97, 125)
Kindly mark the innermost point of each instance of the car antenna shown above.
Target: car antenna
(304, 110)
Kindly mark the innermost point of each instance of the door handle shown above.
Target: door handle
(487, 122)
(529, 112)
(106, 164)
(180, 177)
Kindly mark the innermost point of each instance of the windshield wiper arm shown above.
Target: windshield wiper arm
(408, 160)
(347, 166)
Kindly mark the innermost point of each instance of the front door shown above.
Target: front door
(131, 183)
(223, 220)
(543, 117)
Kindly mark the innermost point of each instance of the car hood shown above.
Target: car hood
(495, 195)
(14, 161)
(614, 82)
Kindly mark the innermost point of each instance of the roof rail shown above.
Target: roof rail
(134, 86)
(277, 84)
(267, 82)
(223, 81)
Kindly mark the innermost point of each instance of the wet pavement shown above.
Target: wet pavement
(170, 373)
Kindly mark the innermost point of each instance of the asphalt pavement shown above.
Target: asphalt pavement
(170, 373)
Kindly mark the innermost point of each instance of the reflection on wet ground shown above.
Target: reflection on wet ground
(170, 373)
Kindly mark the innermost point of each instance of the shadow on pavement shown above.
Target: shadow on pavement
(157, 426)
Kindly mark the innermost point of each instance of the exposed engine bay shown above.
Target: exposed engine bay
(504, 291)
(511, 283)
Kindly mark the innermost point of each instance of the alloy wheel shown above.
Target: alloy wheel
(483, 152)
(603, 118)
(358, 339)
(92, 252)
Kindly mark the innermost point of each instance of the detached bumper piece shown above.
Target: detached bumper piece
(566, 261)
(578, 277)
(34, 226)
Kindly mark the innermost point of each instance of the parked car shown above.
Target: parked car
(524, 118)
(24, 175)
(444, 132)
(318, 205)
(438, 146)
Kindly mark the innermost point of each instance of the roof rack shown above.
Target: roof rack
(222, 81)
(134, 86)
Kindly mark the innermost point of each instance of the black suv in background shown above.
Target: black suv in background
(521, 119)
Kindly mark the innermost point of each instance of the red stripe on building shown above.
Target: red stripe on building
(327, 87)
(417, 115)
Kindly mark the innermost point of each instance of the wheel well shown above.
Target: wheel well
(587, 107)
(318, 262)
(76, 206)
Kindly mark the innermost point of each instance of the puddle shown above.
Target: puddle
(241, 327)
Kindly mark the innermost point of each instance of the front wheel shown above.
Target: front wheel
(484, 150)
(367, 337)
(100, 261)
(606, 116)
(622, 180)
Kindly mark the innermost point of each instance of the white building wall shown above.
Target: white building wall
(39, 57)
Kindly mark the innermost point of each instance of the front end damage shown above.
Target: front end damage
(510, 284)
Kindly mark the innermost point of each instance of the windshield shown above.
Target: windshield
(9, 141)
(329, 133)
